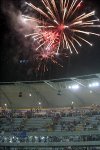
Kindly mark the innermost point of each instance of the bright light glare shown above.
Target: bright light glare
(39, 103)
(69, 87)
(72, 102)
(94, 84)
(74, 87)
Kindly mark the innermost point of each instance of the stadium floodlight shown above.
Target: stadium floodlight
(69, 87)
(74, 87)
(72, 102)
(94, 84)
(39, 103)
(5, 104)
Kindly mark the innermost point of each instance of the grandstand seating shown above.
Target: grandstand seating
(65, 128)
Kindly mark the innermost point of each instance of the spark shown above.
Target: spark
(60, 28)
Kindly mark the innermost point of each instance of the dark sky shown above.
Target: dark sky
(16, 55)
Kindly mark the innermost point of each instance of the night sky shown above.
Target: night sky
(16, 55)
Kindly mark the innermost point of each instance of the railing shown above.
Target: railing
(55, 144)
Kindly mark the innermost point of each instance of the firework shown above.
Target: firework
(60, 25)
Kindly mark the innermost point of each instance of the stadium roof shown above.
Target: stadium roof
(77, 91)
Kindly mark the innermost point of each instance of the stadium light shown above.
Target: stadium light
(72, 102)
(74, 87)
(94, 84)
(39, 103)
(5, 104)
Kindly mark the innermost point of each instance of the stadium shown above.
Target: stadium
(50, 75)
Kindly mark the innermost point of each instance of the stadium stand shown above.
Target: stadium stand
(66, 128)
(59, 114)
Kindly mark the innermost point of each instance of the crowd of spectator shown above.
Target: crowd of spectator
(52, 148)
(79, 119)
(66, 119)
